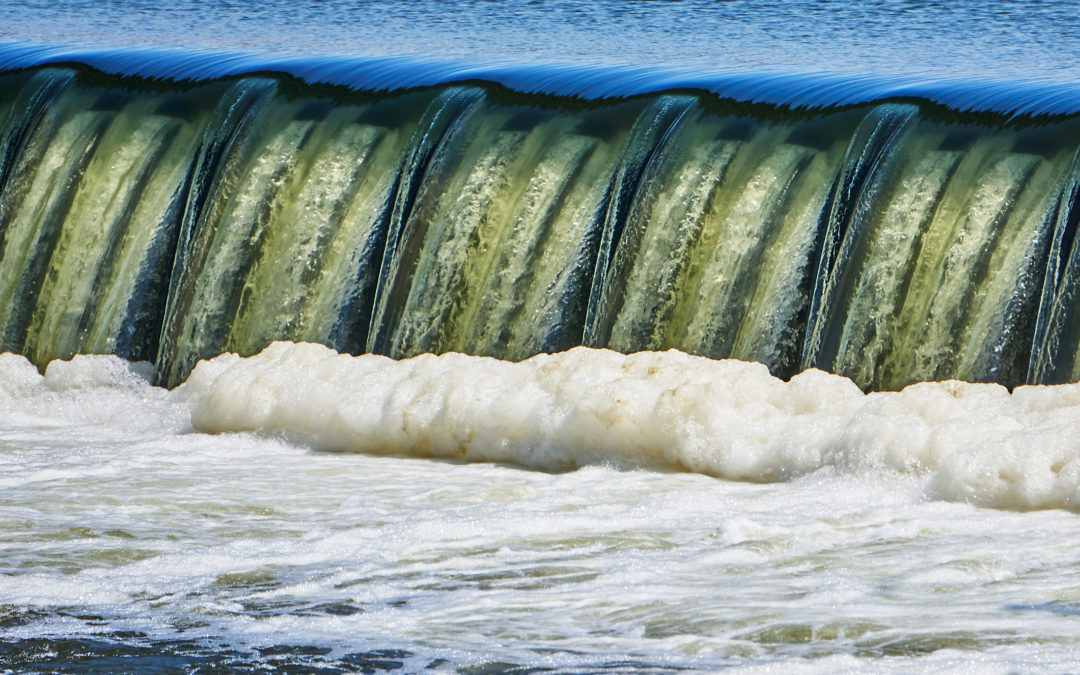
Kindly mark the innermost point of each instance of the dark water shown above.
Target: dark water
(132, 653)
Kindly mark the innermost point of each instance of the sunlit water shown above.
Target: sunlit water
(1003, 55)
(1020, 40)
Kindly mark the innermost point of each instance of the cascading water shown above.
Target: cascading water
(890, 243)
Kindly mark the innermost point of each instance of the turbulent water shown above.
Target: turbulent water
(539, 337)
(134, 540)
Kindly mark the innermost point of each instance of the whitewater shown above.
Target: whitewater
(285, 509)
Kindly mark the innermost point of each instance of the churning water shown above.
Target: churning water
(477, 210)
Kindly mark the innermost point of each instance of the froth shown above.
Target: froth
(107, 392)
(974, 442)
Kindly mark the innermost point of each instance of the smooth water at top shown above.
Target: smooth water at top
(1001, 54)
(1003, 39)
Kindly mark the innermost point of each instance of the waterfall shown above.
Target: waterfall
(891, 242)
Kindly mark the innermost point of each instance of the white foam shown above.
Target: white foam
(108, 392)
(17, 377)
(88, 372)
(976, 442)
(120, 519)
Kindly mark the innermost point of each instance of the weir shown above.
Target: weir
(891, 243)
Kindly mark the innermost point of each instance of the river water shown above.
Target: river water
(132, 541)
(312, 513)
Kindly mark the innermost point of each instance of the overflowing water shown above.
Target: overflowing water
(539, 337)
(891, 243)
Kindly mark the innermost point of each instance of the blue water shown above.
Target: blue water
(1013, 57)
